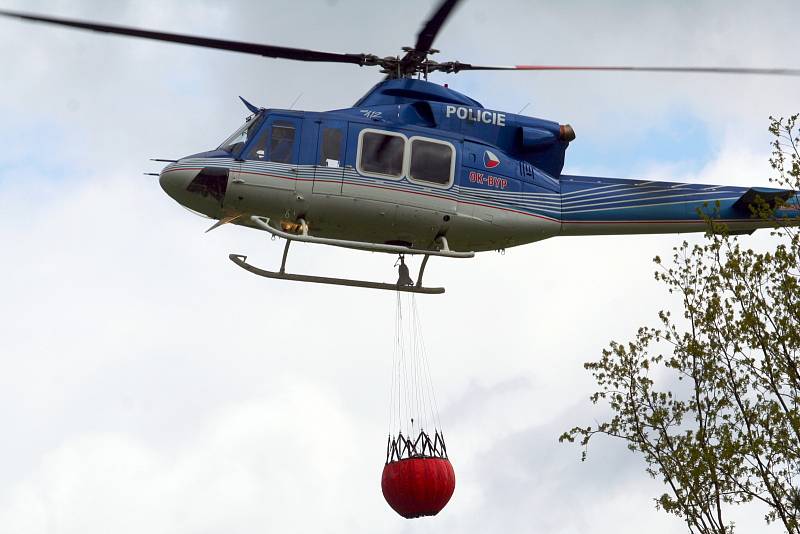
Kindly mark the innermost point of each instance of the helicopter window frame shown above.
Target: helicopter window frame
(251, 127)
(421, 181)
(258, 143)
(359, 154)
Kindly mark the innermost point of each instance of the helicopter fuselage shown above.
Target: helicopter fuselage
(413, 161)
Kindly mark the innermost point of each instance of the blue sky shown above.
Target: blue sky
(149, 385)
(682, 140)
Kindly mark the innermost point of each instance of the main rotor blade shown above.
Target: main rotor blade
(414, 57)
(428, 33)
(457, 67)
(283, 52)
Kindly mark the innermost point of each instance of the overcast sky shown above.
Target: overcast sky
(149, 385)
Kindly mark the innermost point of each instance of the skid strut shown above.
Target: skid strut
(404, 282)
(304, 237)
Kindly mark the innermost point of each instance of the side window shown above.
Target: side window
(381, 153)
(431, 161)
(331, 150)
(281, 142)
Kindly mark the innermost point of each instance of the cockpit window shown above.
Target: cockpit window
(239, 138)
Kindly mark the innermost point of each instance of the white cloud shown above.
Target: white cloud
(252, 464)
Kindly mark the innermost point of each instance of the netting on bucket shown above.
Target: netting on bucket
(415, 430)
(400, 447)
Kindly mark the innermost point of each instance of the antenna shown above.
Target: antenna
(295, 101)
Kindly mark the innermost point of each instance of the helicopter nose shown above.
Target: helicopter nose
(173, 183)
(201, 191)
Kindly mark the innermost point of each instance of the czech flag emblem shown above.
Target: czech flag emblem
(490, 160)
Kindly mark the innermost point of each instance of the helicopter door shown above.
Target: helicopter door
(268, 171)
(329, 168)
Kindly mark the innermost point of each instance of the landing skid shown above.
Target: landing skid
(404, 282)
(241, 261)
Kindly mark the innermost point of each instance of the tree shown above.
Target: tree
(711, 397)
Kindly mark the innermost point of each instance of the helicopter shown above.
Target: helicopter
(417, 168)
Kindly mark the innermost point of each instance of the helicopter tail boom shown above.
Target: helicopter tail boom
(603, 206)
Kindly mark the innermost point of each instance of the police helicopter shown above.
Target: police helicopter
(416, 168)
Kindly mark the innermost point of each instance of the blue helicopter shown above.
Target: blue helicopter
(420, 169)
